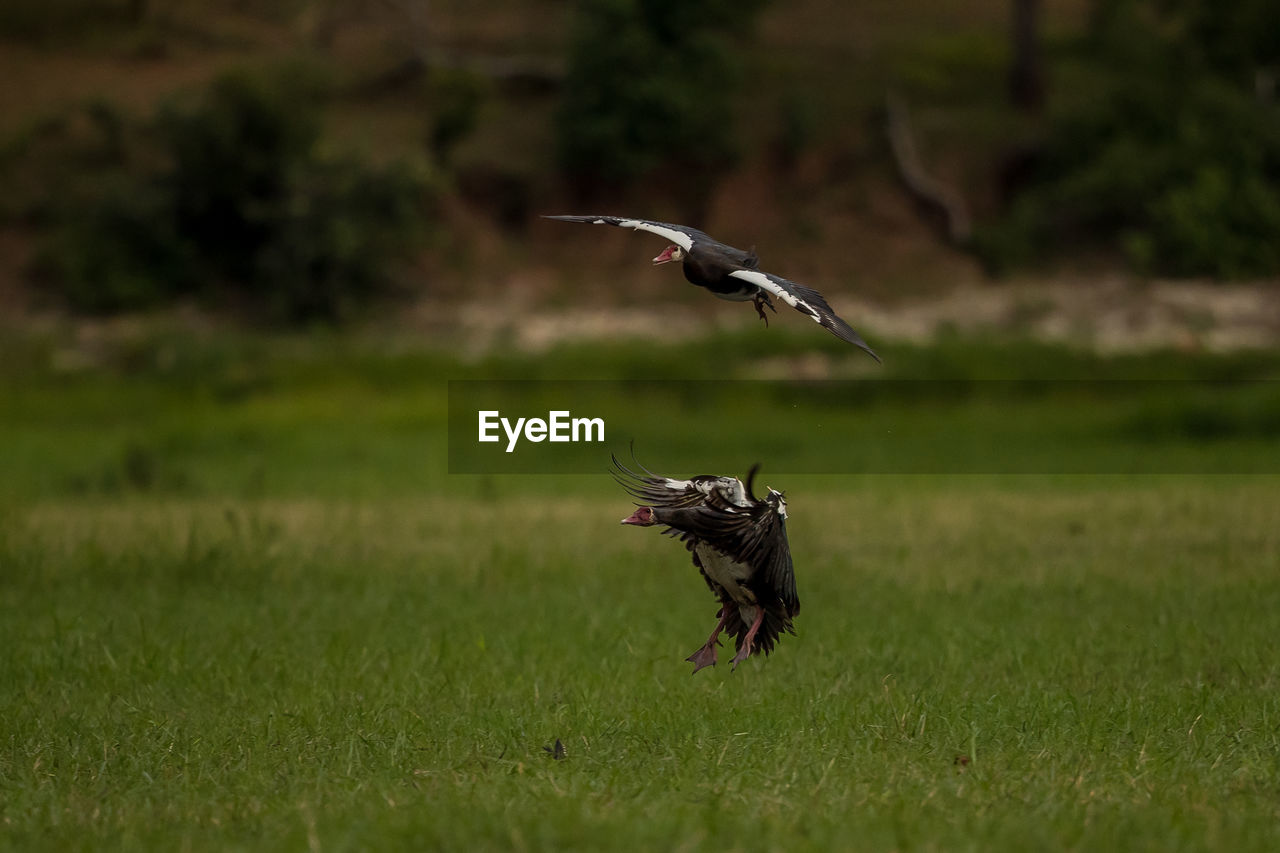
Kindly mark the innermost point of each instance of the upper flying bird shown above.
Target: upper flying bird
(739, 543)
(732, 274)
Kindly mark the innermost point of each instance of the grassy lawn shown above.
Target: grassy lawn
(244, 607)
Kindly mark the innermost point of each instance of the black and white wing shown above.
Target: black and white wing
(806, 300)
(723, 512)
(755, 536)
(684, 237)
(779, 572)
(666, 492)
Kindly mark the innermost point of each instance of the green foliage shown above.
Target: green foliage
(1233, 39)
(55, 161)
(238, 202)
(236, 157)
(456, 98)
(331, 240)
(1175, 161)
(796, 128)
(651, 85)
(45, 20)
(121, 251)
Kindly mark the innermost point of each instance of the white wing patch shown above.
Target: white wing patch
(730, 490)
(764, 282)
(681, 239)
(735, 492)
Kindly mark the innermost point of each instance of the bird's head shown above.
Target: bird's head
(671, 253)
(642, 517)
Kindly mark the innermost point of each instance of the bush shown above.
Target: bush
(234, 157)
(121, 252)
(1177, 165)
(331, 237)
(240, 204)
(456, 99)
(650, 84)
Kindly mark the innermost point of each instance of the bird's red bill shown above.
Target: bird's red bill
(665, 256)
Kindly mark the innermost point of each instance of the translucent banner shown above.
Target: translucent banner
(868, 426)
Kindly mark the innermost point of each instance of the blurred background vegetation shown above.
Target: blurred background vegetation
(307, 160)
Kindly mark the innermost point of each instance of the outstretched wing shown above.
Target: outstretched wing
(722, 512)
(656, 490)
(756, 536)
(779, 571)
(681, 235)
(806, 300)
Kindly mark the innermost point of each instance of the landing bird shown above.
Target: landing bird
(739, 544)
(731, 274)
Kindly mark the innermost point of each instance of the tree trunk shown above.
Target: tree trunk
(944, 204)
(1026, 77)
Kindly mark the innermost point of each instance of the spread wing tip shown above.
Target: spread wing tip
(807, 301)
(643, 484)
(850, 336)
(624, 476)
(590, 220)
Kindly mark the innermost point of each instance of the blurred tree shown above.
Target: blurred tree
(44, 21)
(234, 156)
(1175, 159)
(240, 203)
(1234, 39)
(651, 87)
(455, 99)
(1026, 76)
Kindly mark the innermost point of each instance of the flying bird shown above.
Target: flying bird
(739, 544)
(732, 274)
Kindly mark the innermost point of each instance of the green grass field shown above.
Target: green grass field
(243, 607)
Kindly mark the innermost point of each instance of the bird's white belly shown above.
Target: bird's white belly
(726, 572)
